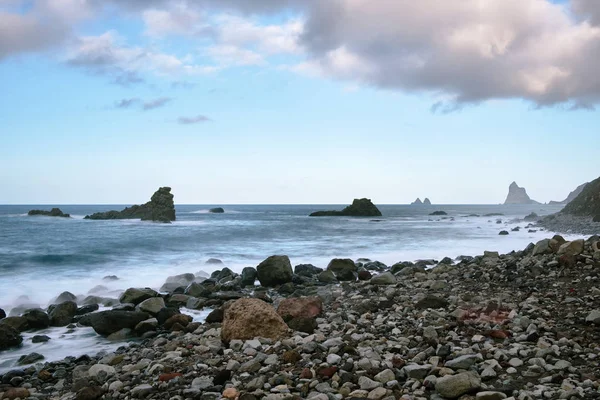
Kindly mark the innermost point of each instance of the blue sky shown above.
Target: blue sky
(266, 102)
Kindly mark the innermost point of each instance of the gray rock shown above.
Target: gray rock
(142, 391)
(152, 306)
(386, 278)
(417, 371)
(368, 384)
(454, 386)
(464, 362)
(63, 313)
(275, 270)
(593, 317)
(135, 296)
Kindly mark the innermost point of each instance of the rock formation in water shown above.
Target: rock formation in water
(358, 208)
(518, 195)
(439, 213)
(160, 208)
(571, 195)
(216, 210)
(587, 204)
(55, 212)
(426, 202)
(417, 202)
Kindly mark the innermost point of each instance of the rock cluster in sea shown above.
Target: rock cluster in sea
(523, 325)
(518, 195)
(55, 212)
(358, 208)
(160, 208)
(418, 202)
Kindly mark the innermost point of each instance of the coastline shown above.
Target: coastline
(517, 324)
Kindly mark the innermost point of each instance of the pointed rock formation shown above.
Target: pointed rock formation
(417, 202)
(518, 195)
(426, 202)
(571, 195)
(358, 208)
(160, 208)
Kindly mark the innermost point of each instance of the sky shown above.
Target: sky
(297, 101)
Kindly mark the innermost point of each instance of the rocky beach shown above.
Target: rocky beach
(522, 325)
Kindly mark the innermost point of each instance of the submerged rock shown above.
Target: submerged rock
(439, 213)
(160, 208)
(216, 210)
(359, 208)
(55, 212)
(108, 322)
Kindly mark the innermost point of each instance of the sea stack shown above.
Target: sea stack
(160, 208)
(518, 195)
(426, 202)
(358, 208)
(417, 202)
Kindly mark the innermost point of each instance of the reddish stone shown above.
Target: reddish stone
(327, 372)
(181, 319)
(168, 377)
(497, 334)
(306, 374)
(397, 362)
(14, 393)
(306, 307)
(364, 275)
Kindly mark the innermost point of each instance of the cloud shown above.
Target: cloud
(193, 120)
(177, 20)
(229, 55)
(470, 50)
(156, 103)
(107, 54)
(127, 103)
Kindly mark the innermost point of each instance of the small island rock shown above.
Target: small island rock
(358, 208)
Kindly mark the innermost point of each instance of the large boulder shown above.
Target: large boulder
(55, 212)
(136, 296)
(344, 269)
(36, 319)
(108, 322)
(9, 337)
(359, 208)
(294, 307)
(249, 275)
(386, 278)
(64, 296)
(542, 247)
(19, 324)
(454, 386)
(160, 208)
(152, 306)
(275, 270)
(62, 314)
(176, 281)
(196, 289)
(2, 314)
(307, 270)
(573, 248)
(249, 318)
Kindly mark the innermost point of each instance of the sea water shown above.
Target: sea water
(40, 257)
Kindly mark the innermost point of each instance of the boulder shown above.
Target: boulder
(152, 306)
(249, 275)
(326, 277)
(196, 289)
(176, 281)
(2, 314)
(344, 269)
(19, 324)
(503, 233)
(386, 278)
(454, 386)
(147, 325)
(135, 296)
(303, 324)
(108, 322)
(55, 212)
(307, 270)
(160, 208)
(294, 307)
(9, 337)
(275, 270)
(62, 314)
(36, 319)
(437, 213)
(572, 248)
(542, 247)
(64, 296)
(359, 208)
(249, 318)
(532, 217)
(216, 210)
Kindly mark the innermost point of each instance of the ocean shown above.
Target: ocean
(40, 257)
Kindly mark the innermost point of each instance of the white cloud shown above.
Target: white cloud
(228, 55)
(179, 20)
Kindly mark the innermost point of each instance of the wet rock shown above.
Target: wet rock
(135, 296)
(327, 277)
(64, 296)
(62, 314)
(108, 322)
(197, 290)
(36, 319)
(275, 270)
(344, 269)
(307, 270)
(249, 276)
(20, 324)
(152, 306)
(40, 339)
(386, 278)
(250, 318)
(30, 358)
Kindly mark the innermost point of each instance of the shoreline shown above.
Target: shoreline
(494, 323)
